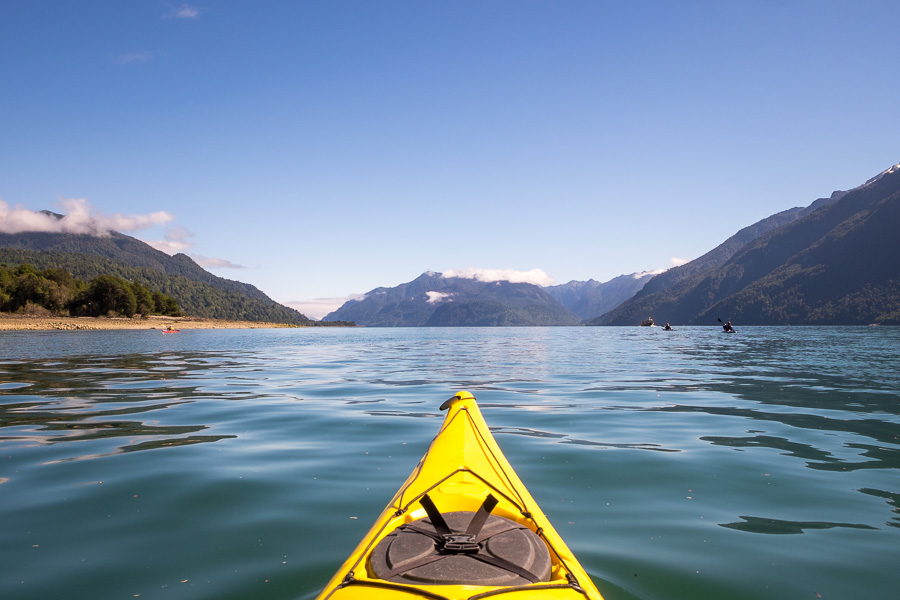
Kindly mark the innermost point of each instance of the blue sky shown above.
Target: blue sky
(321, 149)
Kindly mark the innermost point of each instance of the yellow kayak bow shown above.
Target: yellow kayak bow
(463, 526)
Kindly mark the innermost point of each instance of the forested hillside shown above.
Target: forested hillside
(198, 292)
(195, 298)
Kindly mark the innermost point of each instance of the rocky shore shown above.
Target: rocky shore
(13, 322)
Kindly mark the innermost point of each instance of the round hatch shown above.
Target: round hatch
(503, 553)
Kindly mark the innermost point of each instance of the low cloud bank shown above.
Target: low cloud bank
(214, 263)
(534, 276)
(80, 217)
(176, 241)
(435, 297)
(674, 262)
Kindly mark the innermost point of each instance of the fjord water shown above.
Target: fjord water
(248, 463)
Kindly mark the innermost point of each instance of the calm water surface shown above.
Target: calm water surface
(248, 464)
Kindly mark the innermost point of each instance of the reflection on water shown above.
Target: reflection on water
(779, 527)
(565, 439)
(83, 399)
(893, 499)
(768, 441)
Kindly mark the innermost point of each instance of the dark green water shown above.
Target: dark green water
(248, 464)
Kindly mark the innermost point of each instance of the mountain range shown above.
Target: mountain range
(590, 298)
(836, 262)
(432, 300)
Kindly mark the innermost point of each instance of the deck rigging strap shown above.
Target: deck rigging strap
(455, 542)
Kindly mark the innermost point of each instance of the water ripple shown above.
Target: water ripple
(131, 463)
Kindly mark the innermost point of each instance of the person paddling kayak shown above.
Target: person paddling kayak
(727, 327)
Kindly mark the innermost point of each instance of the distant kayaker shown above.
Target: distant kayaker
(727, 326)
(668, 327)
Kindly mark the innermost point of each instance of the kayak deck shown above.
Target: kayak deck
(456, 524)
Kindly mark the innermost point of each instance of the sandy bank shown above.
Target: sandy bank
(10, 322)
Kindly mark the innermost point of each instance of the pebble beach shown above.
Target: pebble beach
(14, 322)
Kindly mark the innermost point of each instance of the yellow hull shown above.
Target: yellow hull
(462, 466)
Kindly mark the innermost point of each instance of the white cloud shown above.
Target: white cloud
(214, 263)
(435, 297)
(80, 217)
(674, 262)
(643, 274)
(132, 223)
(19, 219)
(319, 307)
(185, 11)
(176, 241)
(534, 276)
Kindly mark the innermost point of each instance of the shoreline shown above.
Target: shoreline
(15, 322)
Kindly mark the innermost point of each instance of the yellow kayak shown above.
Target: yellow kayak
(462, 527)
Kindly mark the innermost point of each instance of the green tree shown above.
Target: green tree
(109, 295)
(144, 299)
(165, 305)
(29, 287)
(61, 289)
